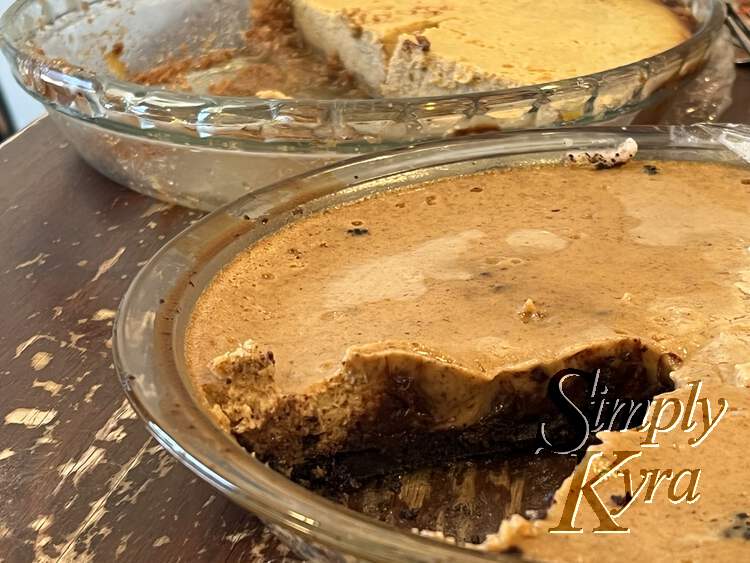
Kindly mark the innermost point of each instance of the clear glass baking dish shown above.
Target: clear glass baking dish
(153, 316)
(202, 151)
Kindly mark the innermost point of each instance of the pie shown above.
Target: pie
(435, 47)
(428, 323)
(357, 48)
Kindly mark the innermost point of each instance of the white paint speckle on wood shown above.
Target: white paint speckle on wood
(40, 259)
(98, 507)
(237, 537)
(30, 418)
(123, 545)
(156, 208)
(21, 348)
(90, 393)
(112, 431)
(91, 458)
(74, 338)
(51, 387)
(160, 541)
(105, 266)
(40, 360)
(103, 315)
(42, 523)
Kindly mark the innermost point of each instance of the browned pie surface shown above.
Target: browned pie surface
(490, 270)
(448, 266)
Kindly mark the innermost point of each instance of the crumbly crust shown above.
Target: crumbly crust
(387, 396)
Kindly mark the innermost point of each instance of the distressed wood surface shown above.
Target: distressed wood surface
(80, 480)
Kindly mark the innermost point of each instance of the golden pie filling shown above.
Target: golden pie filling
(428, 324)
(364, 48)
(433, 47)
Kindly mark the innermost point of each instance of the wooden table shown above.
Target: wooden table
(80, 479)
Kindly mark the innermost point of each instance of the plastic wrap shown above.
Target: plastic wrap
(709, 94)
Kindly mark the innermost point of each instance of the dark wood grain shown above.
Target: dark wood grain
(79, 477)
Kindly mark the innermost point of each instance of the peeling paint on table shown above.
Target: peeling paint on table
(80, 479)
(30, 418)
(40, 360)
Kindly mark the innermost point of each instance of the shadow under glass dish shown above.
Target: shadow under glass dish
(203, 151)
(151, 324)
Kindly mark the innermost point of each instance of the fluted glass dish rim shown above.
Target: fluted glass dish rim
(343, 125)
(151, 321)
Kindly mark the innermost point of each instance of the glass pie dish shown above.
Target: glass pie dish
(149, 337)
(201, 150)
